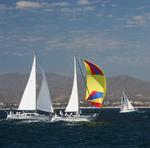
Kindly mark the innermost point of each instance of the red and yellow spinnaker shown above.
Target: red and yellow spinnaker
(95, 84)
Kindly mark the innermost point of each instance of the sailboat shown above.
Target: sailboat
(126, 106)
(96, 88)
(30, 104)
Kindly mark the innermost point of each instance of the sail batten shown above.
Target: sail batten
(95, 83)
(28, 101)
(73, 105)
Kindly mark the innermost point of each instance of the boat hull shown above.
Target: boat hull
(127, 111)
(73, 119)
(27, 116)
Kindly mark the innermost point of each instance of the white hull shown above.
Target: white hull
(128, 111)
(73, 118)
(27, 116)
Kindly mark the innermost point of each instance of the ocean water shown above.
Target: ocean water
(112, 130)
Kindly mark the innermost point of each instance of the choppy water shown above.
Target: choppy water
(113, 130)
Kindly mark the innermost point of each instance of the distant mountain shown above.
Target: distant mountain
(12, 86)
(133, 87)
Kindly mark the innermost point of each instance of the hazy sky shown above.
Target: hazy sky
(115, 34)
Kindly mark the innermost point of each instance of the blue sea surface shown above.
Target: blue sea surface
(112, 130)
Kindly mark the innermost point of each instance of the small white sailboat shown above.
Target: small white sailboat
(29, 104)
(126, 106)
(72, 112)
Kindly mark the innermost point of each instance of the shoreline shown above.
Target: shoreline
(111, 107)
(58, 108)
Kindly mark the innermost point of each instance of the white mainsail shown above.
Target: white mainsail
(28, 101)
(126, 106)
(44, 102)
(73, 105)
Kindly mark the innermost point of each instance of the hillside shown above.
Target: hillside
(12, 86)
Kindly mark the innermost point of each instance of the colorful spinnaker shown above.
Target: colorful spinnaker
(95, 84)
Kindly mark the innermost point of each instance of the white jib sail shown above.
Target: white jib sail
(28, 101)
(73, 105)
(44, 102)
(130, 107)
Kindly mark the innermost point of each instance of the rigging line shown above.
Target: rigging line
(83, 76)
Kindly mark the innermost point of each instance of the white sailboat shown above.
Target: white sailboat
(72, 112)
(29, 104)
(126, 106)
